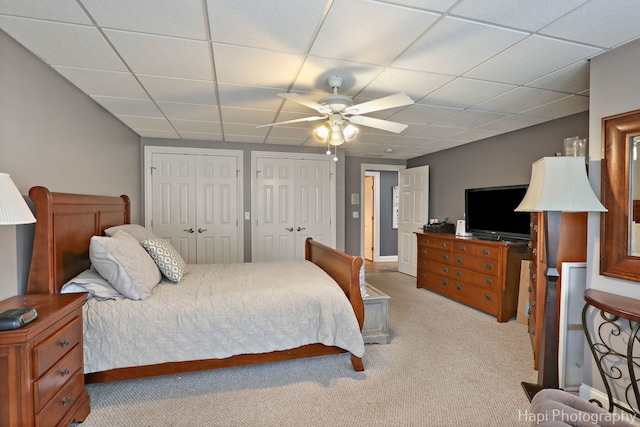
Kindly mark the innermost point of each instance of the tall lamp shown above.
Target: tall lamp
(13, 210)
(558, 184)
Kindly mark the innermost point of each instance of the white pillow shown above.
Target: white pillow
(167, 258)
(93, 283)
(363, 283)
(125, 264)
(136, 231)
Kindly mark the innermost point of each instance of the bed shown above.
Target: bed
(65, 226)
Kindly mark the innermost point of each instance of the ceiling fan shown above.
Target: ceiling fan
(341, 114)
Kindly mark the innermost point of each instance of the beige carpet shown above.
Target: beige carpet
(447, 365)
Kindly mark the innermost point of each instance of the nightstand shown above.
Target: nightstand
(41, 363)
(376, 308)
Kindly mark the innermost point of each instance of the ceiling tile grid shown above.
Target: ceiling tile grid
(214, 69)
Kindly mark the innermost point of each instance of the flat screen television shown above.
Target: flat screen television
(489, 213)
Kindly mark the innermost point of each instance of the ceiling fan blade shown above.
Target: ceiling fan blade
(378, 123)
(306, 102)
(391, 101)
(304, 119)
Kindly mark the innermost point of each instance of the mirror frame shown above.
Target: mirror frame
(615, 259)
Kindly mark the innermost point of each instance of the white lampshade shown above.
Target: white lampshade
(13, 208)
(560, 184)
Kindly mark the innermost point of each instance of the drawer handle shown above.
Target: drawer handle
(488, 281)
(423, 251)
(458, 273)
(535, 228)
(533, 304)
(462, 247)
(64, 343)
(443, 244)
(486, 251)
(458, 259)
(533, 277)
(459, 287)
(529, 288)
(445, 282)
(64, 372)
(445, 269)
(423, 275)
(426, 240)
(66, 401)
(445, 256)
(534, 251)
(533, 331)
(529, 245)
(488, 297)
(489, 266)
(423, 262)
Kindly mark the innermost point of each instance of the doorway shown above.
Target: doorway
(370, 215)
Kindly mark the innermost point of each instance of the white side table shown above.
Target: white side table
(376, 308)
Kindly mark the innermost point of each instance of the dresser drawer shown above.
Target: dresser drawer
(63, 400)
(481, 265)
(57, 376)
(434, 242)
(482, 299)
(489, 252)
(483, 280)
(56, 346)
(434, 254)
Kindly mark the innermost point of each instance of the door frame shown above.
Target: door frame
(376, 215)
(295, 156)
(150, 150)
(375, 167)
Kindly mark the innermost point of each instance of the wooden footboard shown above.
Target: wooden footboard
(65, 224)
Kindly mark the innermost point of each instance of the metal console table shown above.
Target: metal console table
(613, 343)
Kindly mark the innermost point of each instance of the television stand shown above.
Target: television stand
(480, 273)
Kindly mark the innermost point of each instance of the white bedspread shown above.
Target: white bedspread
(220, 310)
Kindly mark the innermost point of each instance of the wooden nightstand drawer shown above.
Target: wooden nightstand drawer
(56, 346)
(63, 400)
(57, 376)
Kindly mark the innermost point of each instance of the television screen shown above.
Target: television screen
(489, 212)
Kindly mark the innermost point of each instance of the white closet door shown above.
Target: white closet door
(275, 210)
(217, 210)
(413, 214)
(173, 201)
(312, 203)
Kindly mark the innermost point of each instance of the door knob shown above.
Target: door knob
(188, 230)
(301, 228)
(201, 230)
(289, 229)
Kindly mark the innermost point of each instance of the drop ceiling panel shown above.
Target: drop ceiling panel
(315, 72)
(184, 91)
(346, 32)
(521, 63)
(149, 123)
(415, 84)
(104, 83)
(455, 46)
(158, 55)
(512, 122)
(53, 10)
(150, 16)
(279, 25)
(128, 107)
(423, 114)
(63, 44)
(196, 126)
(572, 79)
(470, 119)
(522, 14)
(519, 99)
(433, 5)
(573, 104)
(249, 97)
(174, 110)
(464, 93)
(246, 116)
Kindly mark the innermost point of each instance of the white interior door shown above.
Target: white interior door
(413, 214)
(217, 210)
(293, 198)
(173, 208)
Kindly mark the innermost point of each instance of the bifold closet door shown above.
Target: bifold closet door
(195, 206)
(293, 202)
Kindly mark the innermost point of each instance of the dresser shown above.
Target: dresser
(479, 273)
(572, 248)
(41, 363)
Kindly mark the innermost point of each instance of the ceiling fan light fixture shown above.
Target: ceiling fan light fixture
(322, 132)
(350, 131)
(336, 137)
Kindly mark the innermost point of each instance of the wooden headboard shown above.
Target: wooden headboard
(64, 227)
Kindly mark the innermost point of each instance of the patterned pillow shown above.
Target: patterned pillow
(167, 258)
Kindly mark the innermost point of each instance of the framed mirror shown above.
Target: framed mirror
(620, 226)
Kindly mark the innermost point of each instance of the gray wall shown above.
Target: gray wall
(53, 135)
(501, 160)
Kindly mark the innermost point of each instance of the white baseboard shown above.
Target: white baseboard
(587, 393)
(388, 258)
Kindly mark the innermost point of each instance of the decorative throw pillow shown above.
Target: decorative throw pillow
(125, 264)
(167, 258)
(136, 231)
